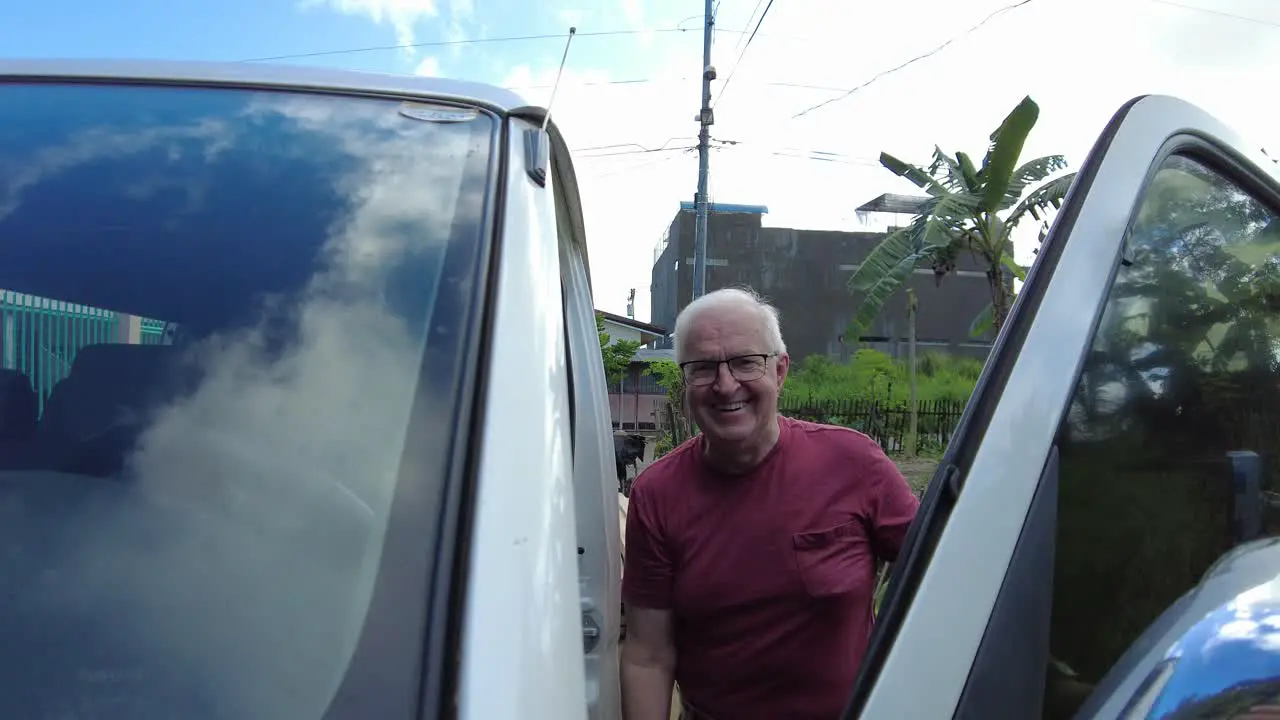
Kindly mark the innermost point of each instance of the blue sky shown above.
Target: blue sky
(247, 29)
(810, 171)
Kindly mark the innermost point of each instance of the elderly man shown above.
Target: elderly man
(752, 548)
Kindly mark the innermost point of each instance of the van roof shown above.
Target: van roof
(259, 74)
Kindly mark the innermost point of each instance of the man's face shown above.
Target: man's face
(729, 410)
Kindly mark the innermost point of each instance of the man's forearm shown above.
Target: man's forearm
(646, 689)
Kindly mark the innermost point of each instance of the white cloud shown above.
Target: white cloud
(402, 15)
(633, 12)
(1078, 70)
(429, 67)
(461, 15)
(571, 17)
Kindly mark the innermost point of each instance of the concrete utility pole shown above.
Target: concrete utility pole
(706, 119)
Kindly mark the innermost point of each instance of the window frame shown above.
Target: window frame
(1234, 168)
(401, 657)
(984, 467)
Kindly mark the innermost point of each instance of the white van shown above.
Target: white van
(363, 467)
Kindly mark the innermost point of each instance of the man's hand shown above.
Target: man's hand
(648, 664)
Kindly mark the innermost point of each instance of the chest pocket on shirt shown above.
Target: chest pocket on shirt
(832, 561)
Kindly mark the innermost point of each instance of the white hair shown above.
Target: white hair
(736, 298)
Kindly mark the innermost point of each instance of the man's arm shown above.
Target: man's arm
(648, 664)
(891, 506)
(648, 653)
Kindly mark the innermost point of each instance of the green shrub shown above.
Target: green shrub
(873, 375)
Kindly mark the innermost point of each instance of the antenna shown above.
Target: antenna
(559, 73)
(537, 144)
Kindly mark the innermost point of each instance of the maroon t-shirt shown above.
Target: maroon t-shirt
(769, 575)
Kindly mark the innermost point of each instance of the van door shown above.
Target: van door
(595, 484)
(1089, 483)
(521, 653)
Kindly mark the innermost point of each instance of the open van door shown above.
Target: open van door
(1123, 434)
(595, 484)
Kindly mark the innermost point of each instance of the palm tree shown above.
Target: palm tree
(963, 213)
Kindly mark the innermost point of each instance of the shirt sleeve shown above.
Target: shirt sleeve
(891, 506)
(647, 575)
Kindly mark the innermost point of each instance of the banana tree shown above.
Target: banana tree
(969, 209)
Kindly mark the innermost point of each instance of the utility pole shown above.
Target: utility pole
(706, 119)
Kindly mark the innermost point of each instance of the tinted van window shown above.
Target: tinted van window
(227, 319)
(1180, 382)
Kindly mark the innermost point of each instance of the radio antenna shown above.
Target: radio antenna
(559, 73)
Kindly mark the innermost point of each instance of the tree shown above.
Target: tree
(669, 376)
(963, 214)
(617, 355)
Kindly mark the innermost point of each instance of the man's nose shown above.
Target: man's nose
(725, 381)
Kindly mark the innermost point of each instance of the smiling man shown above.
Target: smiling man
(752, 548)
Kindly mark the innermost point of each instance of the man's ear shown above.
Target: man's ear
(784, 365)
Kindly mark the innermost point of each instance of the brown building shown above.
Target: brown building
(805, 273)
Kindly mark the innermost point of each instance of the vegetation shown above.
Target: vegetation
(873, 375)
(822, 390)
(972, 209)
(617, 356)
(669, 377)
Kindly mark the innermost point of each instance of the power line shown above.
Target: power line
(845, 92)
(640, 81)
(644, 151)
(750, 17)
(800, 153)
(614, 146)
(931, 53)
(1219, 13)
(476, 41)
(619, 149)
(738, 62)
(640, 166)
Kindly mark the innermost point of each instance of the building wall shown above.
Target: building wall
(639, 403)
(805, 274)
(618, 332)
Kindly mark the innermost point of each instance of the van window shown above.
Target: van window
(1184, 369)
(223, 312)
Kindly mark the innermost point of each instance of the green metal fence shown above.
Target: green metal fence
(41, 337)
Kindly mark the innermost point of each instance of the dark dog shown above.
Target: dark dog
(627, 451)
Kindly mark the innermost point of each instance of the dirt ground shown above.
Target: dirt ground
(918, 471)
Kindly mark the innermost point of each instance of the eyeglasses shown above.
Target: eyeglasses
(743, 368)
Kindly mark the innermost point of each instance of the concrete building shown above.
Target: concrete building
(805, 273)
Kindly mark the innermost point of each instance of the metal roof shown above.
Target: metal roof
(632, 323)
(894, 203)
(259, 74)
